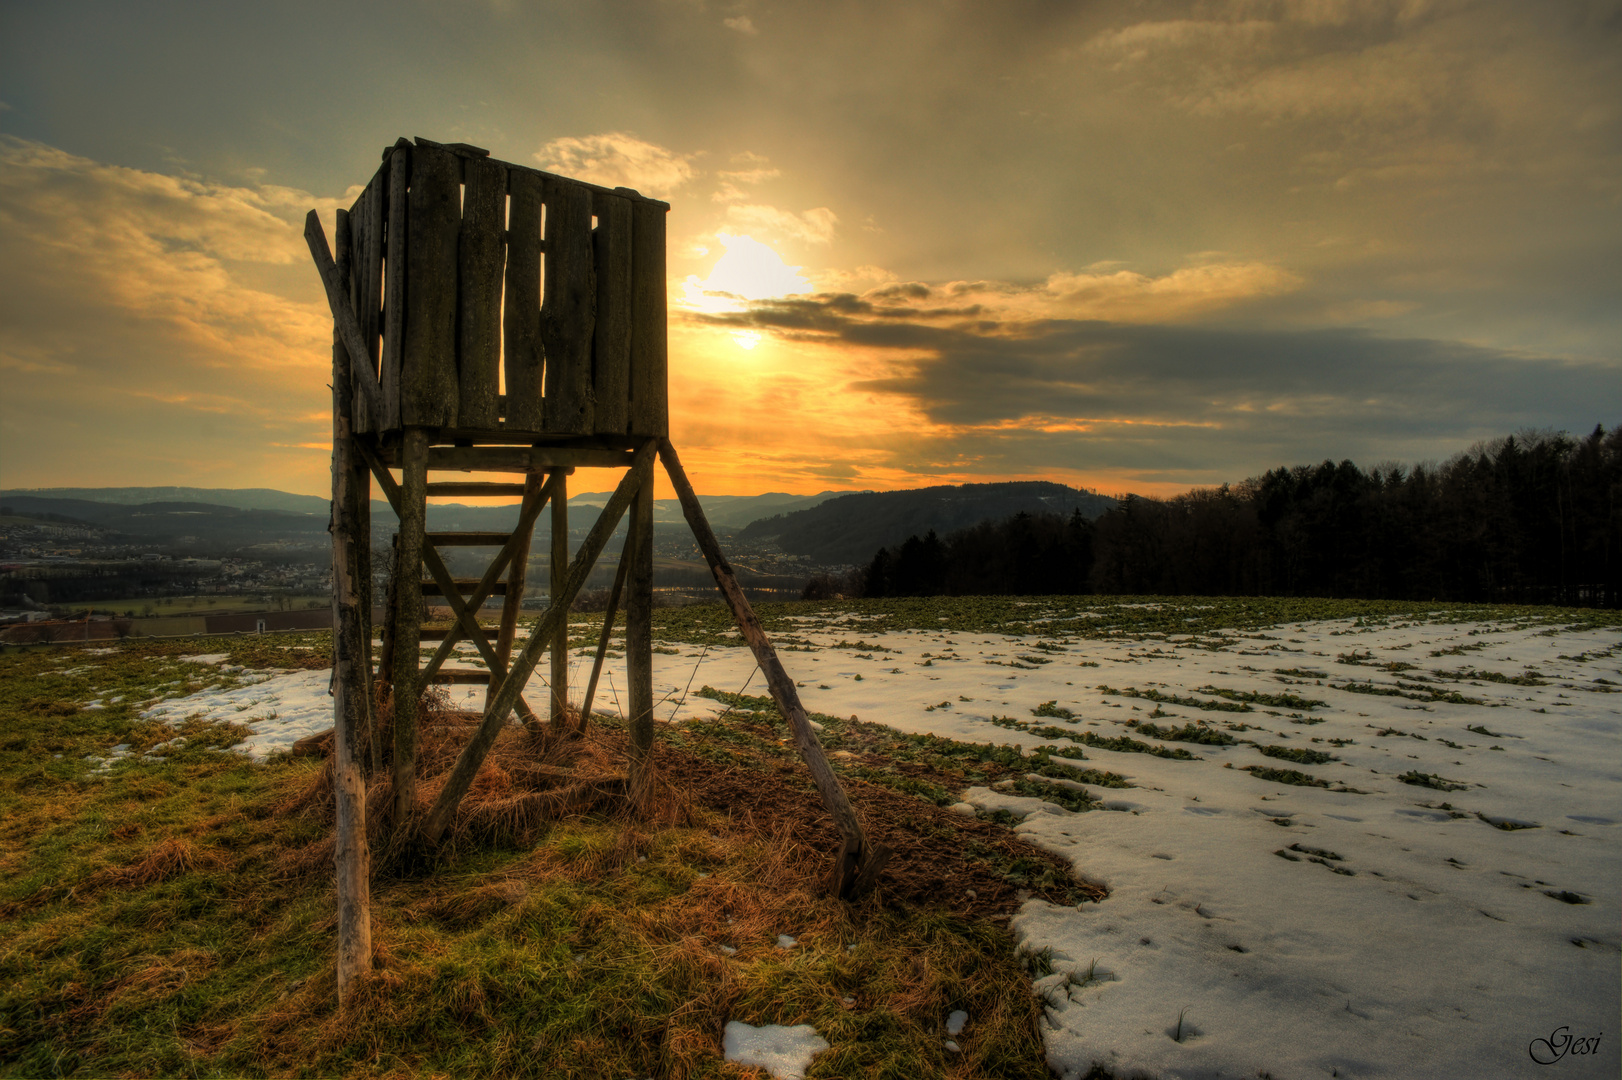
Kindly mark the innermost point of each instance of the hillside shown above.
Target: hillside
(850, 528)
(220, 515)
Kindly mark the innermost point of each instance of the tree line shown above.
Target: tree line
(1534, 518)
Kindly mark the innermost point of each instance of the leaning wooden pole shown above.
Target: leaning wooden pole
(351, 648)
(856, 869)
(608, 627)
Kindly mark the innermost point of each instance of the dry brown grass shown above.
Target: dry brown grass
(166, 859)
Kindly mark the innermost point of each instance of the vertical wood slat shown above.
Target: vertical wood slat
(428, 381)
(366, 284)
(522, 354)
(649, 358)
(568, 308)
(394, 300)
(479, 264)
(611, 339)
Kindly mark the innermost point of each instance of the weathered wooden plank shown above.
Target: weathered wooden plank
(511, 436)
(558, 579)
(611, 339)
(522, 352)
(649, 357)
(473, 488)
(568, 308)
(522, 458)
(428, 384)
(468, 539)
(351, 684)
(366, 291)
(395, 246)
(464, 587)
(858, 863)
(480, 263)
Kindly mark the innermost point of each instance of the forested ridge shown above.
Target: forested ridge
(1534, 517)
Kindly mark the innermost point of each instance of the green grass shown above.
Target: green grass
(155, 922)
(1300, 756)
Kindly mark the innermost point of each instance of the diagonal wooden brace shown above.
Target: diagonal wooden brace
(442, 575)
(856, 867)
(552, 622)
(343, 313)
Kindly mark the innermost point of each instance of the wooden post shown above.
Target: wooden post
(856, 867)
(559, 573)
(351, 684)
(608, 629)
(408, 618)
(517, 571)
(639, 627)
(553, 621)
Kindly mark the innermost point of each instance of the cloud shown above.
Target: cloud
(618, 159)
(812, 227)
(1188, 404)
(742, 24)
(155, 322)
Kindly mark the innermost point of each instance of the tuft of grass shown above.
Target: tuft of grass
(1301, 756)
(1189, 733)
(1284, 776)
(1431, 780)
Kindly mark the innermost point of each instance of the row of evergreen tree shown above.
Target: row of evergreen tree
(1535, 517)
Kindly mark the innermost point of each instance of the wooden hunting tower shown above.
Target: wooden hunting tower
(493, 318)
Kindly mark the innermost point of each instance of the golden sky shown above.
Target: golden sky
(1132, 246)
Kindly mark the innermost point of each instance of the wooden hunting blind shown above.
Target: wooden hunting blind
(493, 318)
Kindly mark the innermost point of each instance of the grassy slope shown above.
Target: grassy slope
(152, 922)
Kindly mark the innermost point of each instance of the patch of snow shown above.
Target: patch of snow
(955, 1022)
(785, 942)
(204, 658)
(785, 1052)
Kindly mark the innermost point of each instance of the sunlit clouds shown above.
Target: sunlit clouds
(1131, 247)
(747, 270)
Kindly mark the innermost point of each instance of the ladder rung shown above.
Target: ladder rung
(461, 675)
(465, 586)
(468, 539)
(473, 488)
(437, 633)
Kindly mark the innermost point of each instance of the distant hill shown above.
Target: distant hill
(216, 518)
(851, 528)
(239, 498)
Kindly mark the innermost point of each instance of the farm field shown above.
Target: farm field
(1312, 838)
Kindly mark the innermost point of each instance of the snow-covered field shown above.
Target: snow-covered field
(1469, 925)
